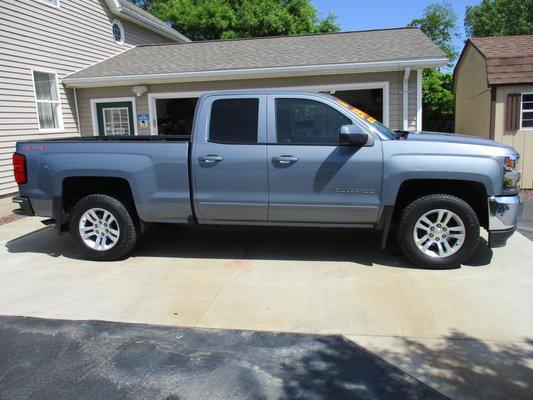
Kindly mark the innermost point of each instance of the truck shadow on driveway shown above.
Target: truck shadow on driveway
(295, 244)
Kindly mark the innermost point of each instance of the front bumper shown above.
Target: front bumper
(24, 204)
(504, 213)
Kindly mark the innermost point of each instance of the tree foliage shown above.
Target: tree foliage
(227, 19)
(438, 22)
(500, 18)
(438, 100)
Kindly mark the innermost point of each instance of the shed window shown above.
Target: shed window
(47, 100)
(118, 32)
(526, 111)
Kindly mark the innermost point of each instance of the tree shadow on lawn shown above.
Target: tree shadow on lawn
(359, 246)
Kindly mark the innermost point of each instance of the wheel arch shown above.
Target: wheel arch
(74, 188)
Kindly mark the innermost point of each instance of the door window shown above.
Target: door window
(302, 121)
(234, 121)
(116, 121)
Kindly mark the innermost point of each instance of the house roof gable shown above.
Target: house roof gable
(128, 10)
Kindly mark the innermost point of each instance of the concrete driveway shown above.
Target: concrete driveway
(467, 332)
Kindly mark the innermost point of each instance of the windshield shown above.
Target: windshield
(367, 119)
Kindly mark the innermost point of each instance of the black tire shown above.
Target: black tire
(125, 219)
(411, 214)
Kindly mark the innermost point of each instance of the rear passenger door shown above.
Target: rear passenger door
(229, 159)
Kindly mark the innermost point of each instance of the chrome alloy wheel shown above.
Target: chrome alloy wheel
(439, 233)
(99, 229)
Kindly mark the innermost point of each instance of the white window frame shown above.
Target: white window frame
(51, 3)
(524, 128)
(61, 127)
(384, 85)
(94, 116)
(123, 36)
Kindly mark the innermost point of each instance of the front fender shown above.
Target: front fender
(403, 167)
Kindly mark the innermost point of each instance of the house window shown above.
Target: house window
(526, 111)
(118, 32)
(53, 3)
(47, 100)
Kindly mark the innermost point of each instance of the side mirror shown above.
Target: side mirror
(353, 134)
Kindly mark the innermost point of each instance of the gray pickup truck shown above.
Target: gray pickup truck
(276, 158)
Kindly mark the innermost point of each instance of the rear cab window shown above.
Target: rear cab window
(234, 121)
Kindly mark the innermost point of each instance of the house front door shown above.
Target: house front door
(115, 118)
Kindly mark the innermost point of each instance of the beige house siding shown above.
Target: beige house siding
(36, 36)
(472, 101)
(394, 79)
(521, 140)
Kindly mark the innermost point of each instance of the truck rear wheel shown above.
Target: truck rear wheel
(438, 231)
(102, 228)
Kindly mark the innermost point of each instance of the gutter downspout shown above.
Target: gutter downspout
(405, 93)
(418, 99)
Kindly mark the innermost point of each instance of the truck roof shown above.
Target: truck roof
(264, 92)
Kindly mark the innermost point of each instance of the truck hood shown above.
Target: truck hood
(424, 136)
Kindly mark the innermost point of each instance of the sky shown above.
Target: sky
(355, 15)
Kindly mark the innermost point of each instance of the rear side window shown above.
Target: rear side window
(234, 121)
(302, 121)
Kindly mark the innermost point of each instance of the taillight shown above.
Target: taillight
(19, 168)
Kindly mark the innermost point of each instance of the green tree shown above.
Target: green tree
(500, 18)
(438, 100)
(227, 19)
(438, 22)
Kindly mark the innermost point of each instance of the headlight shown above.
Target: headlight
(511, 174)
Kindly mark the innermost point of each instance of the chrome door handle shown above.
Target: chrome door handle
(285, 159)
(210, 158)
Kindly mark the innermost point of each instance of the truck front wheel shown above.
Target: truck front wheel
(438, 231)
(102, 228)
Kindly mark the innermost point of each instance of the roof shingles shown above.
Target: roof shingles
(283, 51)
(509, 59)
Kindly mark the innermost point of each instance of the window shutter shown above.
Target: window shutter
(512, 108)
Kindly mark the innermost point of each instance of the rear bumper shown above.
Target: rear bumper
(504, 213)
(24, 204)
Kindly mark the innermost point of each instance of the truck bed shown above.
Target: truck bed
(155, 168)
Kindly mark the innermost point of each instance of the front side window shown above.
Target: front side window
(47, 99)
(527, 111)
(303, 121)
(118, 32)
(234, 121)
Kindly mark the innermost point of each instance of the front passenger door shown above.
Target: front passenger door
(312, 177)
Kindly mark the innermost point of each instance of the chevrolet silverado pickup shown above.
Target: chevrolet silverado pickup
(276, 158)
